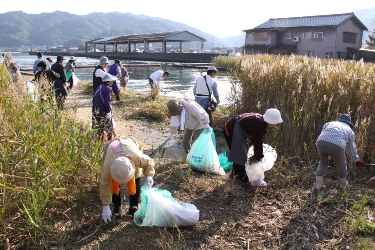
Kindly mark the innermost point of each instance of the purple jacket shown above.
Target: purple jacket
(113, 69)
(102, 98)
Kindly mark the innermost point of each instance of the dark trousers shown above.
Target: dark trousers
(115, 88)
(133, 199)
(238, 170)
(209, 112)
(70, 82)
(60, 93)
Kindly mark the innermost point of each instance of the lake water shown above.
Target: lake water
(179, 83)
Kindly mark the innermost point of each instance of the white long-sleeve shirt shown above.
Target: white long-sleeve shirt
(340, 133)
(156, 77)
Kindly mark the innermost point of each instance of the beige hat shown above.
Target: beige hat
(72, 58)
(174, 108)
(122, 170)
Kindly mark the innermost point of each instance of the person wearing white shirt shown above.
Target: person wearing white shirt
(156, 77)
(191, 118)
(336, 138)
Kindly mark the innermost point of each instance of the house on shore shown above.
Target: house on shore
(335, 36)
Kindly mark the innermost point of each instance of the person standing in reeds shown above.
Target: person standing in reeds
(237, 130)
(154, 81)
(123, 163)
(69, 71)
(103, 109)
(124, 79)
(40, 58)
(44, 79)
(204, 88)
(336, 138)
(60, 82)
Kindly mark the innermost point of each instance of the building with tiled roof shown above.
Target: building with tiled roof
(325, 36)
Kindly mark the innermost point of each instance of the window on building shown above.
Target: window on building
(288, 35)
(260, 36)
(311, 53)
(349, 37)
(306, 35)
(318, 35)
(249, 34)
(328, 54)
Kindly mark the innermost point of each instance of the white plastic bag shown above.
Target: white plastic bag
(75, 79)
(203, 156)
(160, 209)
(30, 87)
(255, 171)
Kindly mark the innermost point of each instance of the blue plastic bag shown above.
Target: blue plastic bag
(203, 156)
(224, 163)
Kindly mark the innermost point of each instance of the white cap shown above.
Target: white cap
(272, 116)
(212, 68)
(122, 170)
(109, 78)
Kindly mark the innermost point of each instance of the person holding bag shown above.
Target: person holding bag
(123, 163)
(203, 89)
(191, 118)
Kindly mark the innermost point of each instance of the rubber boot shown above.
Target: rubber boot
(343, 183)
(319, 182)
(117, 97)
(183, 156)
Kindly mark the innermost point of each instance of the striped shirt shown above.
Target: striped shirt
(340, 133)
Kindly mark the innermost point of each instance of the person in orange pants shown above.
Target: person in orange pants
(123, 163)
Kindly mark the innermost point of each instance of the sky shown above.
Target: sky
(218, 18)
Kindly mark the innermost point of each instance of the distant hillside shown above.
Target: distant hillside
(367, 17)
(61, 28)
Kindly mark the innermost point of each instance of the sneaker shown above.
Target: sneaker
(132, 210)
(248, 187)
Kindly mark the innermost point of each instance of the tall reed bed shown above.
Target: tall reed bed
(309, 92)
(48, 162)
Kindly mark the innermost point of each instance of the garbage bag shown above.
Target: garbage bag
(224, 163)
(68, 75)
(203, 156)
(75, 79)
(30, 87)
(255, 171)
(159, 208)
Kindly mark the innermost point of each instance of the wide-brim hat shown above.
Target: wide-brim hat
(109, 78)
(174, 108)
(103, 60)
(72, 58)
(346, 119)
(122, 170)
(272, 116)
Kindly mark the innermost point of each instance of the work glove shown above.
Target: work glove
(359, 164)
(170, 136)
(206, 125)
(150, 181)
(371, 182)
(108, 115)
(106, 216)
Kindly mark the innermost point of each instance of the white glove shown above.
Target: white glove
(108, 115)
(170, 136)
(150, 181)
(106, 216)
(206, 125)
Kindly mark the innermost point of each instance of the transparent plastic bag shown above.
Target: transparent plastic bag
(203, 156)
(159, 208)
(75, 79)
(255, 171)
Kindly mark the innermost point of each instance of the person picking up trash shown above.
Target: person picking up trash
(336, 138)
(191, 118)
(103, 109)
(237, 130)
(123, 163)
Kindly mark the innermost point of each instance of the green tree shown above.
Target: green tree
(371, 41)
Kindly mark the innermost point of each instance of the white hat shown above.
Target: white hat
(122, 170)
(104, 60)
(72, 58)
(109, 78)
(272, 116)
(212, 68)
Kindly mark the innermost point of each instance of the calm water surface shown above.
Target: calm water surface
(179, 83)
